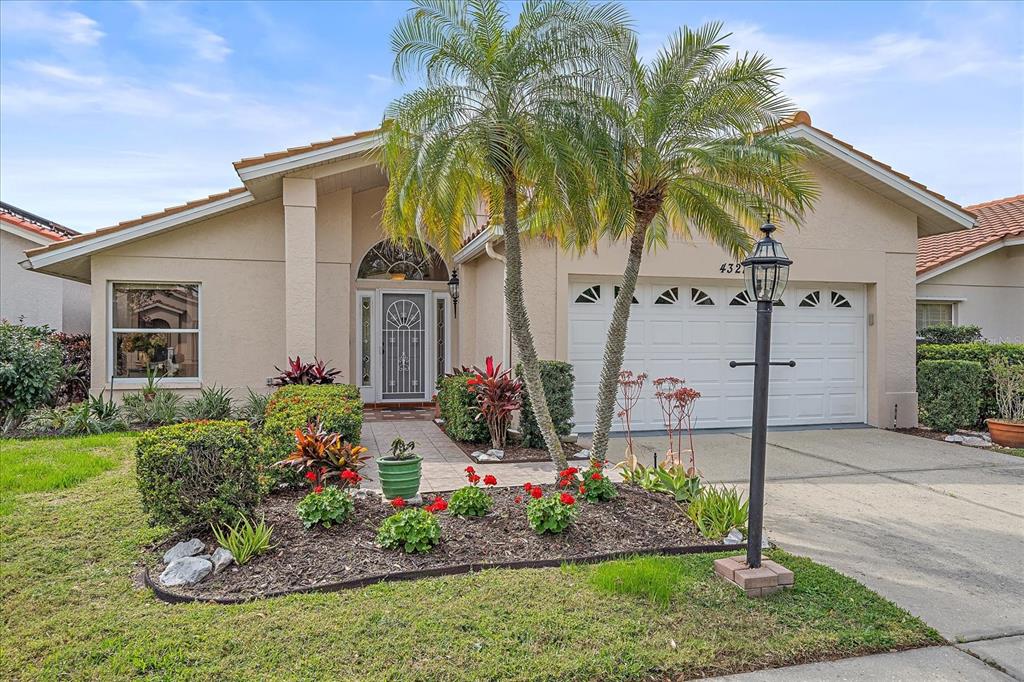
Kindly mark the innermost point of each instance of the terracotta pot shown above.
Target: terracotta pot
(1008, 434)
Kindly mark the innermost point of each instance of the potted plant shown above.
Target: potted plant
(1008, 429)
(400, 471)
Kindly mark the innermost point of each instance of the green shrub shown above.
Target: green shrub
(457, 405)
(552, 513)
(412, 530)
(93, 416)
(338, 407)
(244, 539)
(31, 369)
(330, 506)
(716, 511)
(76, 351)
(469, 500)
(213, 402)
(949, 393)
(198, 472)
(984, 353)
(558, 381)
(951, 333)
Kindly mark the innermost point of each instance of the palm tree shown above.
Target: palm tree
(488, 123)
(693, 146)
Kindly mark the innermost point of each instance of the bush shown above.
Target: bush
(558, 381)
(551, 514)
(31, 369)
(596, 487)
(949, 393)
(457, 404)
(338, 408)
(161, 408)
(413, 530)
(329, 506)
(1009, 389)
(76, 350)
(469, 501)
(947, 334)
(984, 353)
(716, 511)
(198, 472)
(212, 403)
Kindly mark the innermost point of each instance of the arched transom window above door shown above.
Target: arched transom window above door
(394, 261)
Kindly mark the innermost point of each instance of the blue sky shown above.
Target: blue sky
(112, 110)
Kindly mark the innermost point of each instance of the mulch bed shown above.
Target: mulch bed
(303, 560)
(515, 452)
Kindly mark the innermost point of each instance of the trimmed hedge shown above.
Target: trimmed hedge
(947, 334)
(198, 472)
(338, 406)
(949, 393)
(457, 405)
(980, 352)
(558, 381)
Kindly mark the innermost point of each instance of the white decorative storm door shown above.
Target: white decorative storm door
(404, 346)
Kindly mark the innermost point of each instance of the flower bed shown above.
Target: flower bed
(635, 521)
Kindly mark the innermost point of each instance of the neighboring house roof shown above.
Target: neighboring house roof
(936, 213)
(32, 227)
(1000, 223)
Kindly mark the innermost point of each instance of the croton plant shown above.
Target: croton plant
(324, 458)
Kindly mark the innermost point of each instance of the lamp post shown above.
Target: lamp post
(766, 272)
(453, 291)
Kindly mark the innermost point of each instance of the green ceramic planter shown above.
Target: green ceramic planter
(400, 477)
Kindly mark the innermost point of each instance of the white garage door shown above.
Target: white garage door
(692, 329)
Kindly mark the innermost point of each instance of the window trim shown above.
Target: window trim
(167, 382)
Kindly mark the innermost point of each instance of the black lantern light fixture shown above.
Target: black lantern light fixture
(766, 271)
(453, 291)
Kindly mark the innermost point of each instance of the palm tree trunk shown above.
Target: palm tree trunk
(615, 346)
(520, 325)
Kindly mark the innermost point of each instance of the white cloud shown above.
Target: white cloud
(61, 26)
(60, 73)
(166, 20)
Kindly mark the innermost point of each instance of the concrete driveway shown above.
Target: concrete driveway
(935, 527)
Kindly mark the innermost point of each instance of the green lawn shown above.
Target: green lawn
(69, 609)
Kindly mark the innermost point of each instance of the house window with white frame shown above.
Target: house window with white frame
(934, 313)
(154, 328)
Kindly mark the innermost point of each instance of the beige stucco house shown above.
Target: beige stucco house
(976, 276)
(293, 263)
(27, 296)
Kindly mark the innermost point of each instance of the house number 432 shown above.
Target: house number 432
(731, 267)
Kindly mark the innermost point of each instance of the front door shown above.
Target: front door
(404, 347)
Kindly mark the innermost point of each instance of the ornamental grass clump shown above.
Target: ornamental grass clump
(552, 513)
(411, 530)
(472, 500)
(326, 506)
(717, 510)
(244, 539)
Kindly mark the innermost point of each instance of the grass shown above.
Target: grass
(69, 609)
(1016, 452)
(43, 464)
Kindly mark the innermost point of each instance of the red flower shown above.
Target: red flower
(470, 470)
(564, 483)
(319, 489)
(311, 475)
(582, 489)
(571, 471)
(473, 478)
(438, 505)
(568, 499)
(398, 503)
(596, 476)
(490, 365)
(527, 486)
(519, 498)
(490, 480)
(349, 475)
(536, 493)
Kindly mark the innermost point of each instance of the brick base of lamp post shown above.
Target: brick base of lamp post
(768, 578)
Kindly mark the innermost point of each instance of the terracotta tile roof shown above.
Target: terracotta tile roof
(293, 151)
(996, 220)
(33, 223)
(137, 221)
(802, 117)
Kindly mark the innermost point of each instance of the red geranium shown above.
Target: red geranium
(473, 478)
(319, 489)
(527, 486)
(350, 475)
(582, 489)
(519, 498)
(311, 475)
(490, 480)
(438, 505)
(568, 499)
(470, 470)
(571, 471)
(536, 493)
(564, 483)
(398, 503)
(596, 476)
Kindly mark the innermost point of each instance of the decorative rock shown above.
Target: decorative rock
(184, 549)
(480, 456)
(954, 438)
(185, 571)
(495, 452)
(221, 559)
(976, 442)
(439, 421)
(582, 454)
(734, 537)
(364, 493)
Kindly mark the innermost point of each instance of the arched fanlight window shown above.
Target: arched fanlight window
(394, 261)
(840, 301)
(742, 298)
(633, 302)
(590, 295)
(811, 300)
(668, 297)
(700, 297)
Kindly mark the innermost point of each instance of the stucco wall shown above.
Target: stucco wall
(992, 291)
(854, 236)
(38, 298)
